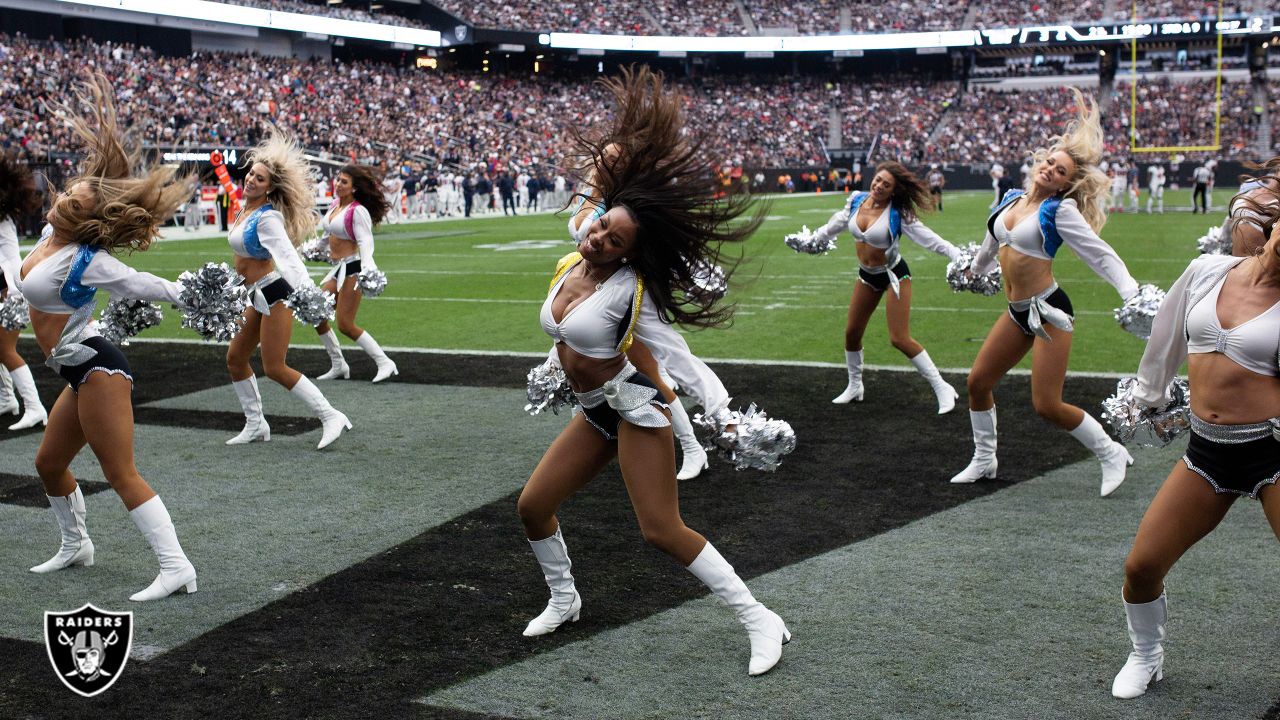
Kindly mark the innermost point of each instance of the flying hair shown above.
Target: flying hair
(293, 182)
(1083, 141)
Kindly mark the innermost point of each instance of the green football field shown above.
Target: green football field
(477, 284)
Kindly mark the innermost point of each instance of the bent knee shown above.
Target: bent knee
(905, 344)
(663, 537)
(1144, 571)
(49, 467)
(350, 329)
(282, 374)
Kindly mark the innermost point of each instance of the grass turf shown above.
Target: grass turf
(477, 285)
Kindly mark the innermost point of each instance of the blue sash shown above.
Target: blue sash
(73, 291)
(251, 243)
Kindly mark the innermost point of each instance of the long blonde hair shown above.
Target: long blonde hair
(127, 211)
(1083, 141)
(292, 183)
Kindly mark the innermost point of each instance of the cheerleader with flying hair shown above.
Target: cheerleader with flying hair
(18, 196)
(1062, 203)
(279, 198)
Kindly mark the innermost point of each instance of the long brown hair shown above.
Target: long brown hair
(18, 194)
(366, 192)
(665, 180)
(1263, 201)
(910, 194)
(128, 211)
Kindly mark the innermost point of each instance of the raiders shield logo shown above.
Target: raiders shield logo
(88, 648)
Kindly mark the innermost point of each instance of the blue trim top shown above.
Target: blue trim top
(251, 243)
(895, 219)
(1051, 240)
(73, 291)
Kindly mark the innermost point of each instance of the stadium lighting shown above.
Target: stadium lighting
(807, 43)
(258, 17)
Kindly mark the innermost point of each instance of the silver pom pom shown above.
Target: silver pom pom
(806, 241)
(961, 279)
(316, 250)
(755, 442)
(1214, 242)
(1139, 311)
(372, 282)
(13, 313)
(124, 318)
(709, 283)
(1134, 423)
(213, 301)
(549, 389)
(310, 305)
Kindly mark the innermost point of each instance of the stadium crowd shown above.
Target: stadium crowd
(322, 7)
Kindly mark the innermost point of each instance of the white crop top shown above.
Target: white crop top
(1027, 238)
(1253, 345)
(10, 261)
(335, 224)
(272, 238)
(878, 234)
(44, 283)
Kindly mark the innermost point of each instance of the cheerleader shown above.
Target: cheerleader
(1063, 202)
(358, 207)
(877, 220)
(1251, 212)
(622, 283)
(105, 210)
(18, 196)
(1222, 317)
(278, 199)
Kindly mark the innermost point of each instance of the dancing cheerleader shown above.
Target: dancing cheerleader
(1222, 317)
(1248, 221)
(104, 211)
(358, 207)
(278, 199)
(623, 283)
(877, 219)
(1063, 202)
(18, 196)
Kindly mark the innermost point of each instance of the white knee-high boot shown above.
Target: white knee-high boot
(1113, 456)
(8, 401)
(386, 368)
(333, 422)
(765, 629)
(338, 367)
(983, 464)
(1147, 633)
(176, 571)
(695, 458)
(32, 411)
(946, 394)
(565, 604)
(77, 548)
(255, 423)
(853, 360)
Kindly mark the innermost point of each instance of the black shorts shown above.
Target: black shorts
(880, 281)
(1058, 299)
(108, 359)
(276, 291)
(606, 419)
(1240, 468)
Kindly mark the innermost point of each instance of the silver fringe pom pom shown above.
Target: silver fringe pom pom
(709, 283)
(316, 250)
(310, 305)
(961, 279)
(213, 301)
(371, 282)
(13, 313)
(124, 318)
(1139, 311)
(549, 390)
(756, 442)
(1214, 242)
(1134, 423)
(806, 242)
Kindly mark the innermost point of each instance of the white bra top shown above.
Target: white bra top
(44, 283)
(272, 237)
(592, 326)
(1253, 345)
(877, 233)
(1025, 237)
